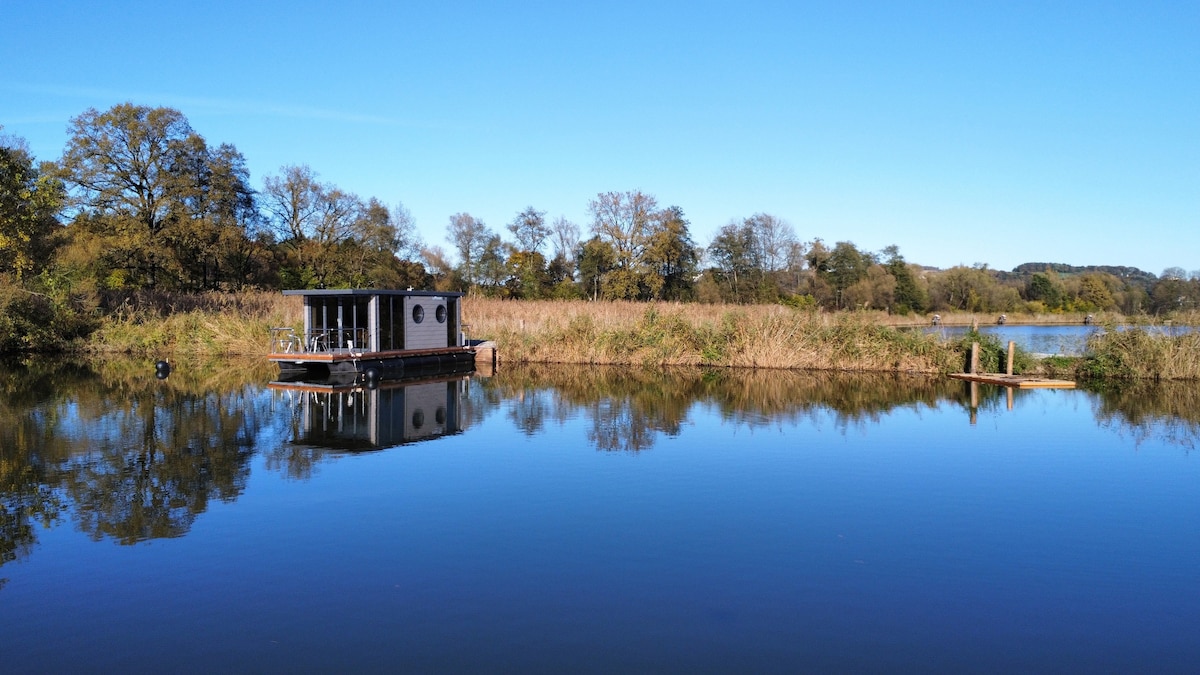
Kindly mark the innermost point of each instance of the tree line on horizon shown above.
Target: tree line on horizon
(140, 201)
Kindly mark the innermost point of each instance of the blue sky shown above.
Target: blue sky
(964, 133)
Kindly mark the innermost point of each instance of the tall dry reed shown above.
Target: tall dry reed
(759, 336)
(1143, 354)
(208, 323)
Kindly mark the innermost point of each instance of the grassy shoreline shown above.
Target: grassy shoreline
(656, 334)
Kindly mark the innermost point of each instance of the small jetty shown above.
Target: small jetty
(1017, 381)
(373, 335)
(1007, 379)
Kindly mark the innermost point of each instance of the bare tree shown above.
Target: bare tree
(469, 236)
(624, 220)
(408, 242)
(292, 202)
(772, 239)
(565, 237)
(529, 229)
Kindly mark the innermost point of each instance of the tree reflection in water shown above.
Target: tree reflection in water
(128, 457)
(628, 409)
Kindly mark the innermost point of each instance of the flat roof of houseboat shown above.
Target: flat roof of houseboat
(370, 291)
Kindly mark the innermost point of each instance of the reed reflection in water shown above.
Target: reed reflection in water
(551, 507)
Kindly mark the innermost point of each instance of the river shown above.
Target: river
(557, 519)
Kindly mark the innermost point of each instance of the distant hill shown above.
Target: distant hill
(1120, 271)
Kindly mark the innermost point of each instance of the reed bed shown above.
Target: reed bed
(215, 324)
(1142, 354)
(759, 336)
(654, 334)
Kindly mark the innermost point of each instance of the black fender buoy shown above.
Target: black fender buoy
(162, 369)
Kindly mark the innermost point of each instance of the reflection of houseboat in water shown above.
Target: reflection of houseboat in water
(373, 335)
(371, 416)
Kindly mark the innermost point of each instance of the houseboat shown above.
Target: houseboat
(371, 335)
(374, 416)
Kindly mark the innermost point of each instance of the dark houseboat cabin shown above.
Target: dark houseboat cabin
(375, 334)
(357, 417)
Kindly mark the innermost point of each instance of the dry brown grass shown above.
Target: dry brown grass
(1143, 354)
(624, 333)
(209, 323)
(758, 336)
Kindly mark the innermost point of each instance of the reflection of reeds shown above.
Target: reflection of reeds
(628, 407)
(753, 396)
(1168, 411)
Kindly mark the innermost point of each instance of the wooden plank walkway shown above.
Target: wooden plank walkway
(332, 356)
(1018, 381)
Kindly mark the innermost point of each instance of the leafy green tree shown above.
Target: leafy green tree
(877, 289)
(734, 253)
(595, 260)
(153, 206)
(908, 294)
(212, 215)
(492, 265)
(528, 277)
(624, 220)
(671, 257)
(323, 229)
(122, 169)
(963, 288)
(755, 258)
(30, 200)
(1095, 292)
(842, 267)
(1173, 294)
(1046, 288)
(370, 254)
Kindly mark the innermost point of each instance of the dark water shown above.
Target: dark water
(563, 520)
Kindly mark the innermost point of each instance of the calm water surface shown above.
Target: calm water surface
(562, 520)
(1065, 339)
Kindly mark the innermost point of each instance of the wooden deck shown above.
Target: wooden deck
(1018, 381)
(348, 355)
(319, 387)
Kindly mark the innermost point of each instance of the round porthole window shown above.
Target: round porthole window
(440, 313)
(418, 314)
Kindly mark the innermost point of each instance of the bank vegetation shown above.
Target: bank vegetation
(142, 237)
(180, 326)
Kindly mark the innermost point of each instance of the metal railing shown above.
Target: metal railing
(286, 340)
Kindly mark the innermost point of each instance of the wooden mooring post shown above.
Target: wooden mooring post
(973, 374)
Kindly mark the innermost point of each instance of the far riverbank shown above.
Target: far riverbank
(662, 334)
